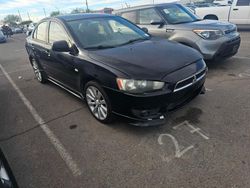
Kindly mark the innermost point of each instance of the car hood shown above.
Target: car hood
(151, 59)
(206, 24)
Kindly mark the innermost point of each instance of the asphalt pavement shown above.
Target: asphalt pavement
(51, 140)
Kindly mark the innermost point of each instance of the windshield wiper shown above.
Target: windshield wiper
(98, 47)
(105, 47)
(134, 40)
(191, 21)
(183, 22)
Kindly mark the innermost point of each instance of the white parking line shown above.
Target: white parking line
(20, 50)
(52, 137)
(18, 70)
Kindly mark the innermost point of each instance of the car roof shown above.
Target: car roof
(80, 16)
(71, 17)
(143, 7)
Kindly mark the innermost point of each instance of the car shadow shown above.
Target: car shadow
(218, 64)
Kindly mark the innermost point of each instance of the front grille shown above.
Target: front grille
(190, 80)
(201, 74)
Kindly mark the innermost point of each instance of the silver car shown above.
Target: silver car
(213, 39)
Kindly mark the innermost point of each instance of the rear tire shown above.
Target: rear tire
(39, 74)
(98, 102)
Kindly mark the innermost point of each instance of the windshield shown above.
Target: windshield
(106, 32)
(176, 14)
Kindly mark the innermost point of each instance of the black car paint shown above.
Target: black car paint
(11, 183)
(154, 59)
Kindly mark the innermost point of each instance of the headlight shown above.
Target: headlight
(209, 34)
(138, 86)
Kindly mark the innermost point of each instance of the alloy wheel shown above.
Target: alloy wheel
(38, 73)
(96, 103)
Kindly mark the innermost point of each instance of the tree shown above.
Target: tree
(55, 13)
(11, 19)
(77, 10)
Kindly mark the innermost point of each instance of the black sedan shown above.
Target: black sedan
(115, 66)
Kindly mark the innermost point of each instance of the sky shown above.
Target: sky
(35, 8)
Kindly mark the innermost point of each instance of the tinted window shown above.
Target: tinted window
(131, 16)
(148, 15)
(57, 33)
(40, 32)
(243, 3)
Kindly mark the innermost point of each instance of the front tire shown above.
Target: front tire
(98, 102)
(40, 75)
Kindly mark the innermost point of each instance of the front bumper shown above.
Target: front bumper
(228, 49)
(224, 47)
(152, 110)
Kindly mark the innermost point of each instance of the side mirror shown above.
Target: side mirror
(230, 2)
(60, 46)
(160, 23)
(145, 29)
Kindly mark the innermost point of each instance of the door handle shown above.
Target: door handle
(235, 9)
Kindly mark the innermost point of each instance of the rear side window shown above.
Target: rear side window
(57, 33)
(40, 32)
(243, 3)
(148, 15)
(131, 16)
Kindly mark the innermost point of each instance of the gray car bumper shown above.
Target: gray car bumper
(220, 48)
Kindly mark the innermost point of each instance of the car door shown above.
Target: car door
(146, 16)
(64, 65)
(39, 45)
(240, 12)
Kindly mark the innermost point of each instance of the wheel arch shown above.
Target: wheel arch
(100, 73)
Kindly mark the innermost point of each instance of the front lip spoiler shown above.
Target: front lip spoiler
(162, 118)
(144, 122)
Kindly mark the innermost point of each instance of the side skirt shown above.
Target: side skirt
(78, 95)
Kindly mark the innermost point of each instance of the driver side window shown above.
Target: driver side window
(57, 33)
(148, 15)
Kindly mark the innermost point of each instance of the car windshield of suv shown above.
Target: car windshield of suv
(100, 33)
(177, 14)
